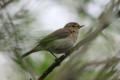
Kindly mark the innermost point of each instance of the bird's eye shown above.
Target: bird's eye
(73, 25)
(73, 31)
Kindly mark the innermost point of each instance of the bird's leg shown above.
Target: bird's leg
(54, 55)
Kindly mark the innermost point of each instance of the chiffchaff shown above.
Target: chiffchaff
(59, 41)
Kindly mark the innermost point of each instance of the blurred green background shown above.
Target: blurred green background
(24, 22)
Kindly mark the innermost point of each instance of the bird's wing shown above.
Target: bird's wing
(59, 34)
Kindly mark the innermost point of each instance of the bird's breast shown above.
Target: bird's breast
(61, 45)
(64, 43)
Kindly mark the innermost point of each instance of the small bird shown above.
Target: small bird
(59, 41)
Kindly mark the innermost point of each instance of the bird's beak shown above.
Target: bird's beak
(81, 26)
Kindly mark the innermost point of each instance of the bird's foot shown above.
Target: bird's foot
(54, 56)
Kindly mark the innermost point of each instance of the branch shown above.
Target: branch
(96, 63)
(101, 26)
(85, 66)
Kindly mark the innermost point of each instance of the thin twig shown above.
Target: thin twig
(16, 47)
(5, 4)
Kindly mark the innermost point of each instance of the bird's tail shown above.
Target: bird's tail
(31, 51)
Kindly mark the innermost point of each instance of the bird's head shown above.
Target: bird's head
(73, 26)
